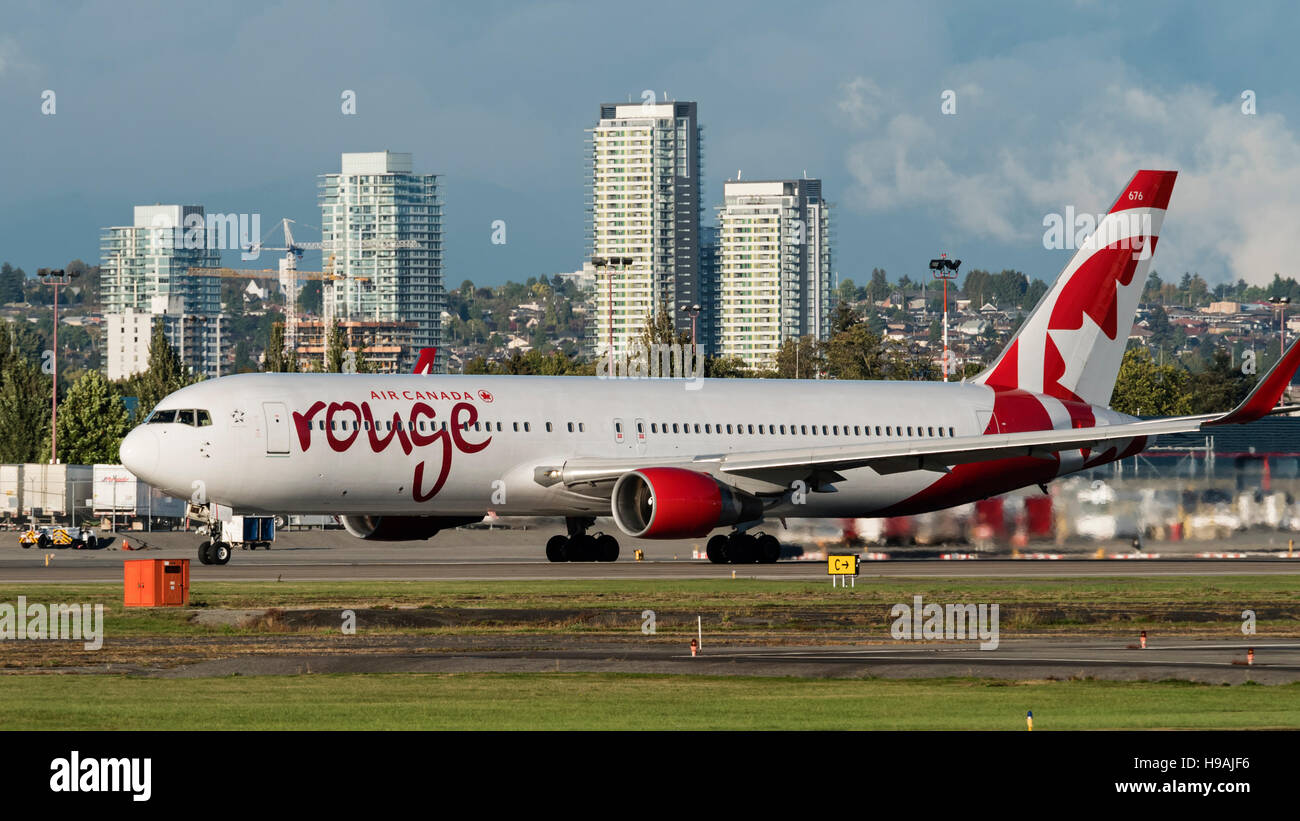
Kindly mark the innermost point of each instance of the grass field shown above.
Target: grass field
(563, 701)
(1044, 605)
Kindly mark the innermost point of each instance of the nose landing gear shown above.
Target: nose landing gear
(214, 553)
(742, 548)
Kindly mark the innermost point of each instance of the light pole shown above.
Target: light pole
(945, 269)
(56, 278)
(694, 311)
(607, 264)
(1281, 302)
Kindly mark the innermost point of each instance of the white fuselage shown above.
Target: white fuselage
(362, 444)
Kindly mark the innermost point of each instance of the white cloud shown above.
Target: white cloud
(996, 172)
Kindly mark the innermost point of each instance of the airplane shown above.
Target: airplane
(403, 456)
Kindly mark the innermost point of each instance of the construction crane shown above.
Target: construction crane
(340, 246)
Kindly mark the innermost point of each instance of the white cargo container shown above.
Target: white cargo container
(56, 490)
(119, 491)
(11, 490)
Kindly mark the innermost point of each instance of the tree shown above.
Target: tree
(92, 422)
(11, 283)
(1219, 387)
(166, 373)
(854, 353)
(24, 412)
(799, 358)
(1145, 388)
(334, 350)
(845, 318)
(278, 359)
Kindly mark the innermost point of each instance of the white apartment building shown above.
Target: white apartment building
(145, 274)
(152, 257)
(383, 225)
(644, 218)
(198, 339)
(774, 268)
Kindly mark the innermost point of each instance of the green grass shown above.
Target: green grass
(560, 701)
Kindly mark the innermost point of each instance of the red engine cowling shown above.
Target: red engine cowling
(401, 528)
(674, 503)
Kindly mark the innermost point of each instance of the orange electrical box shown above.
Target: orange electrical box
(156, 582)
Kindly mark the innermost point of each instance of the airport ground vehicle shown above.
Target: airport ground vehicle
(46, 537)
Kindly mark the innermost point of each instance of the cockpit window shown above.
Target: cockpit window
(187, 416)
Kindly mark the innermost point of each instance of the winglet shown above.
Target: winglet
(1266, 393)
(424, 364)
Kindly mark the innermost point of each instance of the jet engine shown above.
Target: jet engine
(675, 503)
(402, 528)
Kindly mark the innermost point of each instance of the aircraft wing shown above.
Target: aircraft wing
(821, 464)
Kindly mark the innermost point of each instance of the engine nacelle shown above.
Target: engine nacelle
(401, 528)
(675, 503)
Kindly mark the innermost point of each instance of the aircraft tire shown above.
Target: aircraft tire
(220, 553)
(768, 549)
(742, 549)
(557, 549)
(607, 548)
(716, 549)
(205, 552)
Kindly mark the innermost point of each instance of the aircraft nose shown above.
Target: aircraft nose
(139, 453)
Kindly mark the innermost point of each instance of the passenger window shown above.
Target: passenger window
(618, 427)
(751, 430)
(760, 429)
(950, 433)
(877, 430)
(803, 429)
(940, 433)
(824, 430)
(516, 427)
(697, 427)
(930, 431)
(549, 428)
(783, 430)
(708, 428)
(836, 430)
(528, 428)
(570, 427)
(321, 425)
(856, 431)
(654, 427)
(889, 431)
(728, 429)
(909, 430)
(814, 430)
(582, 428)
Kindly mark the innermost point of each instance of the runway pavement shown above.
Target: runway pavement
(1216, 660)
(518, 554)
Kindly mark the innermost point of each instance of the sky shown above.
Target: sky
(238, 107)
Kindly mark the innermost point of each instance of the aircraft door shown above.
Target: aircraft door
(277, 427)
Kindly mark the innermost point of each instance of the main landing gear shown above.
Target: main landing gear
(579, 547)
(214, 553)
(742, 548)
